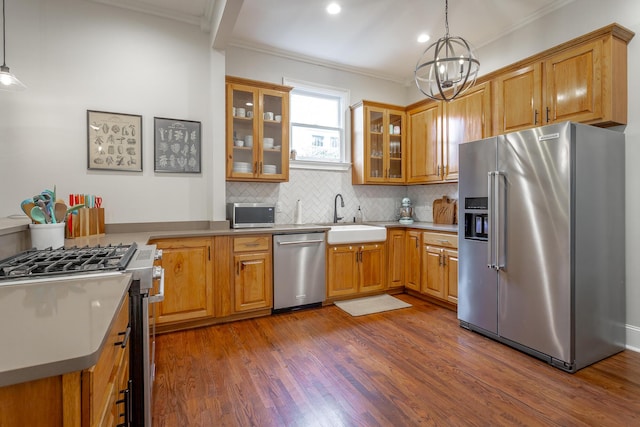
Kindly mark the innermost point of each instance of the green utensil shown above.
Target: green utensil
(37, 215)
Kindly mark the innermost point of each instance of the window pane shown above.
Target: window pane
(315, 109)
(316, 144)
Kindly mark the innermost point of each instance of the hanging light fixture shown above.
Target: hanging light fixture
(448, 67)
(7, 80)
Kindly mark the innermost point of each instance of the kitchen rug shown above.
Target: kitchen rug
(369, 305)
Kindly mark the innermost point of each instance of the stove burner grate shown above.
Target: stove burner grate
(65, 261)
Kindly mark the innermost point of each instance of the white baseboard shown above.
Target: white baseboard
(633, 338)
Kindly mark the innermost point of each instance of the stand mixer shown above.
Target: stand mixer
(406, 212)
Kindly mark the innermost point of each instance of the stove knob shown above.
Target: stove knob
(158, 254)
(157, 272)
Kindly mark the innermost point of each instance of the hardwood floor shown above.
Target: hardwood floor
(408, 367)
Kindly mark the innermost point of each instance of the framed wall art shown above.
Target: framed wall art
(114, 141)
(177, 145)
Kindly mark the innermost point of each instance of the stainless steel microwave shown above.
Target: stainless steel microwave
(250, 215)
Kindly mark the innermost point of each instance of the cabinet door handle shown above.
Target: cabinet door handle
(127, 405)
(255, 167)
(535, 117)
(125, 340)
(548, 109)
(438, 170)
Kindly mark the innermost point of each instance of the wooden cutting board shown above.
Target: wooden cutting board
(444, 211)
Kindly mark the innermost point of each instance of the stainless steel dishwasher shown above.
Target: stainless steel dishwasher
(298, 271)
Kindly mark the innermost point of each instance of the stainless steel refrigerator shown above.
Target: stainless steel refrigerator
(542, 242)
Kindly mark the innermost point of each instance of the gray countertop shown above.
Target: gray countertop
(144, 237)
(56, 326)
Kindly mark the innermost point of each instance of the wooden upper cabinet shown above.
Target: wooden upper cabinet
(583, 80)
(258, 115)
(466, 118)
(574, 84)
(378, 143)
(518, 99)
(424, 160)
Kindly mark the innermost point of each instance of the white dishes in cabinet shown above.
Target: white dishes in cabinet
(243, 167)
(270, 169)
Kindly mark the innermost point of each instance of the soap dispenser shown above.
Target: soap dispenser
(359, 215)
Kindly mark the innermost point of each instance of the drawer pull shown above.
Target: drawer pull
(126, 334)
(444, 242)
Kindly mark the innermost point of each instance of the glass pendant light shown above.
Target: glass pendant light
(448, 67)
(8, 81)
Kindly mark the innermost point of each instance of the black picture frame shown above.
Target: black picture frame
(114, 141)
(177, 145)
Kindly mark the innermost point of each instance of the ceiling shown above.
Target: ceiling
(372, 37)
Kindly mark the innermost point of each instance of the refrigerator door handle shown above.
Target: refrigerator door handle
(490, 244)
(499, 222)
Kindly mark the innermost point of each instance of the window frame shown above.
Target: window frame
(326, 91)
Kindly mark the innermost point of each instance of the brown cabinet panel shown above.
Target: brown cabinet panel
(342, 270)
(466, 118)
(396, 256)
(413, 253)
(574, 84)
(425, 144)
(372, 261)
(439, 266)
(247, 103)
(432, 273)
(354, 269)
(188, 272)
(451, 275)
(378, 143)
(253, 281)
(518, 99)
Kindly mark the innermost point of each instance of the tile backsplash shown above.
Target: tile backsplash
(317, 190)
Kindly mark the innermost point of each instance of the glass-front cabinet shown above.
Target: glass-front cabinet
(378, 143)
(257, 131)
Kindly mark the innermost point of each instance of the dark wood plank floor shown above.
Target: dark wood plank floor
(408, 367)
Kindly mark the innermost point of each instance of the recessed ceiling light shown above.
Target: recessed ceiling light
(333, 8)
(423, 38)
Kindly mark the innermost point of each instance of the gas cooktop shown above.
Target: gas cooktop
(39, 263)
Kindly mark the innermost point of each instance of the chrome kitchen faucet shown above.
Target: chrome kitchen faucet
(337, 218)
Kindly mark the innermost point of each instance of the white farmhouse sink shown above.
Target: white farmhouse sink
(355, 233)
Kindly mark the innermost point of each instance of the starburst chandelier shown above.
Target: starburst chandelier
(448, 67)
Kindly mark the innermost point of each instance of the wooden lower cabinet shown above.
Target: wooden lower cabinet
(355, 269)
(92, 397)
(439, 272)
(413, 254)
(188, 280)
(253, 279)
(396, 256)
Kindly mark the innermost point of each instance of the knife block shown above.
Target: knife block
(85, 222)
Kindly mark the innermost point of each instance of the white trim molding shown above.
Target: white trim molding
(633, 338)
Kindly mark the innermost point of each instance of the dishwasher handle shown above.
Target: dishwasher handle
(300, 242)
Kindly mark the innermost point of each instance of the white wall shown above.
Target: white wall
(76, 55)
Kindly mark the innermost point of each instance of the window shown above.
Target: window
(317, 115)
